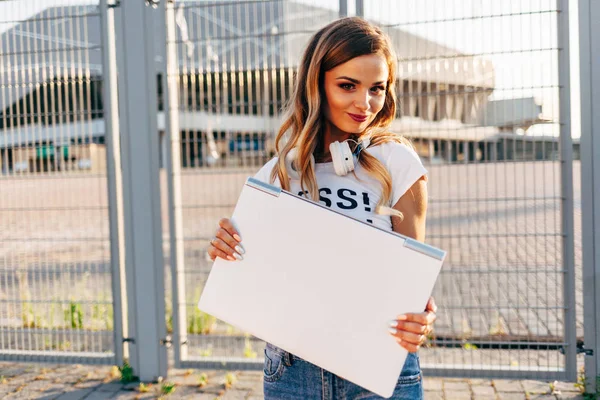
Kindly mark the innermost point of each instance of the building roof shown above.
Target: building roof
(513, 113)
(66, 41)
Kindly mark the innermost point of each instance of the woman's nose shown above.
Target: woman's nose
(362, 101)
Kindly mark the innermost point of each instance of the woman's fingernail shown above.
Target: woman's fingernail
(230, 258)
(402, 318)
(237, 237)
(393, 331)
(240, 249)
(238, 256)
(393, 323)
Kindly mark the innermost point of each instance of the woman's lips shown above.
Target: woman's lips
(357, 117)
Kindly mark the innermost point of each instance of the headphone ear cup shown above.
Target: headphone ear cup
(290, 161)
(342, 157)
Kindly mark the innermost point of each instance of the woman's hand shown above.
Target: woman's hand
(411, 330)
(226, 242)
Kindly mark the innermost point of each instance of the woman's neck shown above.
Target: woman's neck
(331, 134)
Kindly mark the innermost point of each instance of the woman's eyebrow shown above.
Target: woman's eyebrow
(356, 81)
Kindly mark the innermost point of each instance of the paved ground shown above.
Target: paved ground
(75, 382)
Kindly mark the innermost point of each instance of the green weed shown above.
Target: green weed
(127, 375)
(167, 388)
(203, 380)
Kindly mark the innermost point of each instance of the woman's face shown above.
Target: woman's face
(355, 92)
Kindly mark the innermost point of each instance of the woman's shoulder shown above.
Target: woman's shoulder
(264, 174)
(394, 151)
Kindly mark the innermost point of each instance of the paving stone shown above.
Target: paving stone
(246, 383)
(214, 387)
(131, 386)
(11, 372)
(191, 379)
(565, 387)
(38, 385)
(96, 395)
(252, 374)
(536, 387)
(7, 388)
(70, 378)
(481, 390)
(25, 394)
(484, 397)
(234, 394)
(77, 394)
(27, 377)
(257, 389)
(433, 395)
(456, 386)
(199, 396)
(133, 396)
(432, 384)
(110, 387)
(88, 384)
(454, 395)
(480, 382)
(542, 397)
(48, 396)
(511, 396)
(570, 395)
(508, 386)
(56, 388)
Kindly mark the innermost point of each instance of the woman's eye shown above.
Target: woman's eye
(347, 86)
(378, 89)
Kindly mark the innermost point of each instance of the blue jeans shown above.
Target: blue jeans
(288, 377)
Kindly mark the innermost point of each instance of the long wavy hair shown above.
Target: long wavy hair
(304, 121)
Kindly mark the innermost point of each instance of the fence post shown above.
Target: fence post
(343, 8)
(589, 69)
(360, 8)
(170, 84)
(114, 178)
(141, 189)
(566, 175)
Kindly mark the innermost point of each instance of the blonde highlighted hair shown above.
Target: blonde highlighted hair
(304, 120)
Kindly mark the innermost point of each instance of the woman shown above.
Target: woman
(345, 94)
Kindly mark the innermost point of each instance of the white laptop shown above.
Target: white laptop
(321, 285)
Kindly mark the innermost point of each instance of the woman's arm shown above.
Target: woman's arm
(413, 205)
(411, 330)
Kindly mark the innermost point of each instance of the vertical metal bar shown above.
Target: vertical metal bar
(114, 179)
(141, 191)
(360, 8)
(566, 157)
(589, 69)
(173, 167)
(343, 8)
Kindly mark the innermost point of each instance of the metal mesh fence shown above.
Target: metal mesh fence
(55, 273)
(478, 92)
(481, 103)
(478, 96)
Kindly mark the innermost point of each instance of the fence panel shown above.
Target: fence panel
(479, 88)
(56, 299)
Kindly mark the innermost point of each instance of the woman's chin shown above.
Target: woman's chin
(354, 128)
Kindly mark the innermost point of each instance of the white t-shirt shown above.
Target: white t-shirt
(357, 198)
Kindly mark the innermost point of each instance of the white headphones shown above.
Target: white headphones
(344, 159)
